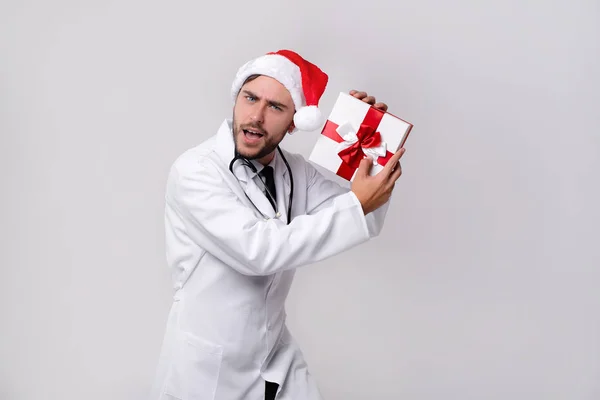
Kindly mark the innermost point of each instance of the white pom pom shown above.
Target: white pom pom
(308, 118)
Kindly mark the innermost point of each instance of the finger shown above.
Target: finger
(364, 167)
(396, 173)
(360, 95)
(381, 106)
(393, 160)
(369, 99)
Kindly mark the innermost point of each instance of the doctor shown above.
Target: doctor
(241, 215)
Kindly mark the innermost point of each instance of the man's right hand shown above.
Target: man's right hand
(375, 191)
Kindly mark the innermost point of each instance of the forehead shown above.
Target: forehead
(268, 88)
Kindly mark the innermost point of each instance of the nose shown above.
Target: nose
(258, 113)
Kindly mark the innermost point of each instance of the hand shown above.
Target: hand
(369, 99)
(375, 191)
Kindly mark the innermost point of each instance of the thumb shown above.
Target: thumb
(365, 166)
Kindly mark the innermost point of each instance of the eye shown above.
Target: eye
(276, 107)
(250, 98)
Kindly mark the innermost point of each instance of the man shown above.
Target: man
(235, 233)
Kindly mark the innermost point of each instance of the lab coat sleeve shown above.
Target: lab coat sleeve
(216, 220)
(321, 193)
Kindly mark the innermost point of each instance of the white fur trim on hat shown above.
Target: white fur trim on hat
(277, 67)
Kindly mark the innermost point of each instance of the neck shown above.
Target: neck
(266, 159)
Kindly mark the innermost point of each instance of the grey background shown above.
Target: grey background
(483, 284)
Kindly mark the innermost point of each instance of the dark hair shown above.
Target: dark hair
(248, 79)
(251, 78)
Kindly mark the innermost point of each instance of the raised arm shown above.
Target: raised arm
(216, 219)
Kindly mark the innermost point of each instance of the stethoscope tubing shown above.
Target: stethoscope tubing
(251, 166)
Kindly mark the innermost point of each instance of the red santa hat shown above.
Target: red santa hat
(304, 80)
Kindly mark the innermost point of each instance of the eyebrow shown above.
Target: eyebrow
(271, 102)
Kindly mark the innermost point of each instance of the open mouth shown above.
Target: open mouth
(252, 134)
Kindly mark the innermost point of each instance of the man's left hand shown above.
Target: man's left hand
(369, 99)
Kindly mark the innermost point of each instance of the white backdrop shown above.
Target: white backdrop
(483, 284)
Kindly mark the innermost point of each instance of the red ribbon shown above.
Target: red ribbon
(368, 136)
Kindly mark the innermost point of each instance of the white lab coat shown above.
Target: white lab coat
(232, 270)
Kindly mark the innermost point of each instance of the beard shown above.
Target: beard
(270, 141)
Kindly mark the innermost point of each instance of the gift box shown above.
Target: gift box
(353, 130)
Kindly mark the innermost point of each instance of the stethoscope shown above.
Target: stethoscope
(274, 200)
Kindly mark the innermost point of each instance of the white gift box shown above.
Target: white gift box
(355, 130)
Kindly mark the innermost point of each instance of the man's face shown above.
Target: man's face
(262, 115)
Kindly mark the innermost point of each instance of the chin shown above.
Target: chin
(248, 153)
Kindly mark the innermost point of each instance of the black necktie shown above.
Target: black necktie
(267, 174)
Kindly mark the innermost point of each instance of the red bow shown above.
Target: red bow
(368, 137)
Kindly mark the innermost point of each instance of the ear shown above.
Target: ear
(291, 128)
